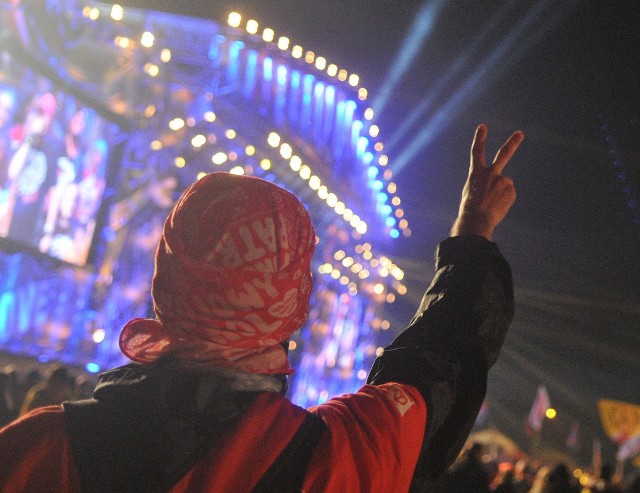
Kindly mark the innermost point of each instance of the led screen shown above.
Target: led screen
(54, 151)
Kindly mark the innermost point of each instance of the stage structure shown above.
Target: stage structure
(107, 113)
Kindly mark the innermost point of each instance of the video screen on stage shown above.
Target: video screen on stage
(54, 154)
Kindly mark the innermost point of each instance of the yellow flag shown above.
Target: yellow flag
(620, 420)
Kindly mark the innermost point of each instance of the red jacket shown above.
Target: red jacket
(374, 440)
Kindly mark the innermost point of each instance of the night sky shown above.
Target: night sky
(566, 73)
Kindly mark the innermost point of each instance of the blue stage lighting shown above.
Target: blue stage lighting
(394, 233)
(367, 158)
(390, 221)
(92, 367)
(419, 32)
(372, 172)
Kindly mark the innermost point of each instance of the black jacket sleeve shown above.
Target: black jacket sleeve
(449, 346)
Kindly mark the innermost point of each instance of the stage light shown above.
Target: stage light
(219, 158)
(348, 214)
(399, 213)
(363, 274)
(314, 182)
(209, 116)
(397, 273)
(396, 200)
(296, 51)
(368, 114)
(152, 69)
(268, 35)
(418, 33)
(117, 12)
(147, 39)
(237, 170)
(403, 222)
(332, 70)
(394, 233)
(378, 288)
(321, 63)
(122, 42)
(347, 261)
(283, 43)
(295, 163)
(332, 200)
(342, 75)
(335, 274)
(550, 413)
(378, 146)
(234, 19)
(230, 134)
(155, 145)
(391, 188)
(361, 227)
(309, 56)
(354, 80)
(362, 94)
(374, 130)
(292, 345)
(249, 150)
(340, 208)
(198, 140)
(273, 139)
(98, 336)
(383, 160)
(390, 222)
(179, 162)
(94, 14)
(165, 55)
(149, 111)
(323, 192)
(305, 172)
(265, 164)
(92, 367)
(286, 151)
(176, 124)
(252, 26)
(388, 174)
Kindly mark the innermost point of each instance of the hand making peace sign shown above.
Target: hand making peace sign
(487, 195)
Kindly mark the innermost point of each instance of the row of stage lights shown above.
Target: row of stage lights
(347, 268)
(397, 224)
(320, 63)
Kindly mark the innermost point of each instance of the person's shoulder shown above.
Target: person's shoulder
(40, 420)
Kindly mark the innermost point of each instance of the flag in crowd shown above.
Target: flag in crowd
(538, 410)
(573, 438)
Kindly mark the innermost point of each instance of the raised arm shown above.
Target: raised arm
(457, 333)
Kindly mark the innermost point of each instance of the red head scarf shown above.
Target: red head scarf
(232, 278)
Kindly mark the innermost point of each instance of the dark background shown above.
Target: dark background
(569, 80)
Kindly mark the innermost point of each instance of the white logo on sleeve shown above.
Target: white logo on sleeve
(399, 398)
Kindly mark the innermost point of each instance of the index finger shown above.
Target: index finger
(507, 150)
(478, 147)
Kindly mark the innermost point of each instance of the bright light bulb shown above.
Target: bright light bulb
(283, 43)
(249, 150)
(209, 116)
(305, 172)
(176, 124)
(273, 139)
(179, 162)
(147, 39)
(286, 151)
(295, 163)
(117, 12)
(234, 19)
(296, 51)
(321, 63)
(374, 130)
(237, 170)
(342, 75)
(252, 26)
(314, 182)
(368, 114)
(354, 80)
(268, 35)
(362, 94)
(265, 164)
(332, 70)
(219, 158)
(323, 192)
(165, 55)
(198, 140)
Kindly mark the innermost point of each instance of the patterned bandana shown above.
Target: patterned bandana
(232, 278)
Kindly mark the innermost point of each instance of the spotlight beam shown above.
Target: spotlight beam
(505, 55)
(458, 65)
(419, 32)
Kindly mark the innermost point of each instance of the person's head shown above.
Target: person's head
(232, 278)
